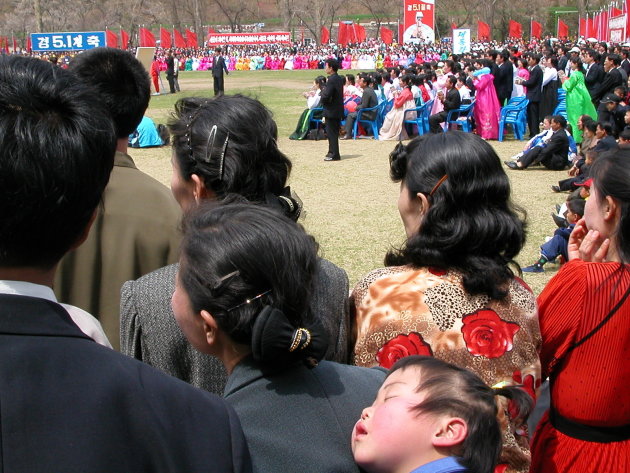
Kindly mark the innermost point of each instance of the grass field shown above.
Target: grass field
(350, 206)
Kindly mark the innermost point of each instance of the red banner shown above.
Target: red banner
(342, 34)
(590, 28)
(165, 38)
(249, 38)
(191, 39)
(537, 29)
(325, 35)
(146, 38)
(419, 21)
(180, 42)
(483, 30)
(14, 43)
(515, 29)
(124, 39)
(111, 39)
(563, 29)
(359, 32)
(387, 35)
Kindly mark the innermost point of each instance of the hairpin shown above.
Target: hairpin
(439, 183)
(249, 301)
(210, 148)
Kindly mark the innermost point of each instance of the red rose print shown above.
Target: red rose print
(486, 334)
(401, 346)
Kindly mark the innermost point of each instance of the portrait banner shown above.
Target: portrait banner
(461, 41)
(617, 28)
(419, 21)
(248, 38)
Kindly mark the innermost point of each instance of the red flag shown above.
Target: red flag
(387, 35)
(28, 43)
(180, 42)
(563, 29)
(325, 35)
(111, 39)
(582, 27)
(212, 31)
(352, 33)
(146, 38)
(483, 30)
(453, 26)
(536, 29)
(401, 29)
(191, 39)
(165, 38)
(515, 29)
(342, 34)
(590, 27)
(360, 32)
(14, 43)
(124, 39)
(6, 44)
(615, 12)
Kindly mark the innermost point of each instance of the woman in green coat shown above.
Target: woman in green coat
(578, 99)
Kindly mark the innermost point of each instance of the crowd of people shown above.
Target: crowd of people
(432, 363)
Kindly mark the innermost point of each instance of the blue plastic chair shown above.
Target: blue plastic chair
(418, 121)
(364, 121)
(426, 115)
(316, 122)
(515, 115)
(463, 118)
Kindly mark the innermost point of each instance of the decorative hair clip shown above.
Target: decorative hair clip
(301, 339)
(439, 183)
(210, 148)
(249, 301)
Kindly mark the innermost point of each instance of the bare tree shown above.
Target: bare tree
(381, 10)
(316, 13)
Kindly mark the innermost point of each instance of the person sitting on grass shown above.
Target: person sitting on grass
(540, 140)
(430, 416)
(558, 244)
(554, 155)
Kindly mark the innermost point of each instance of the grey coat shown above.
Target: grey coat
(301, 419)
(149, 332)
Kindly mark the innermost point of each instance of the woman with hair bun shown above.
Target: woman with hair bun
(449, 291)
(222, 148)
(243, 295)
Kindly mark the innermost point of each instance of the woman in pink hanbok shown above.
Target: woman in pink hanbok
(347, 62)
(487, 110)
(232, 63)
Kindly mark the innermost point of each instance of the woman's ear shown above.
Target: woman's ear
(423, 204)
(210, 327)
(611, 208)
(200, 191)
(450, 432)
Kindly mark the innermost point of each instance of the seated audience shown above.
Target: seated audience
(243, 291)
(147, 135)
(554, 155)
(68, 403)
(368, 100)
(313, 110)
(451, 281)
(451, 101)
(393, 128)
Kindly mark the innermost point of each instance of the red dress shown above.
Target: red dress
(591, 385)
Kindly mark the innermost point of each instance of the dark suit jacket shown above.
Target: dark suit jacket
(332, 97)
(593, 78)
(72, 405)
(504, 82)
(555, 154)
(170, 66)
(368, 100)
(534, 84)
(300, 419)
(149, 332)
(452, 100)
(611, 80)
(218, 66)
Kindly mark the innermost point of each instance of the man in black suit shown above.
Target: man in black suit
(554, 156)
(68, 403)
(594, 71)
(452, 100)
(170, 71)
(218, 66)
(332, 100)
(504, 82)
(368, 100)
(612, 79)
(534, 93)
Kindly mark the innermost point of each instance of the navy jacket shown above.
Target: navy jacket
(70, 405)
(332, 97)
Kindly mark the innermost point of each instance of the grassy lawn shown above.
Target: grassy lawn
(350, 206)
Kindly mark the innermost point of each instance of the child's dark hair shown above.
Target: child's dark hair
(576, 206)
(451, 390)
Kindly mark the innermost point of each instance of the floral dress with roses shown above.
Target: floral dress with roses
(402, 311)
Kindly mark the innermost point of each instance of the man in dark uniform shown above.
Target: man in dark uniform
(332, 100)
(170, 71)
(534, 94)
(218, 66)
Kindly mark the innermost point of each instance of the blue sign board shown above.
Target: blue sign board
(67, 41)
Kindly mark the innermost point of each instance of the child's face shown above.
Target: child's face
(391, 436)
(584, 192)
(571, 217)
